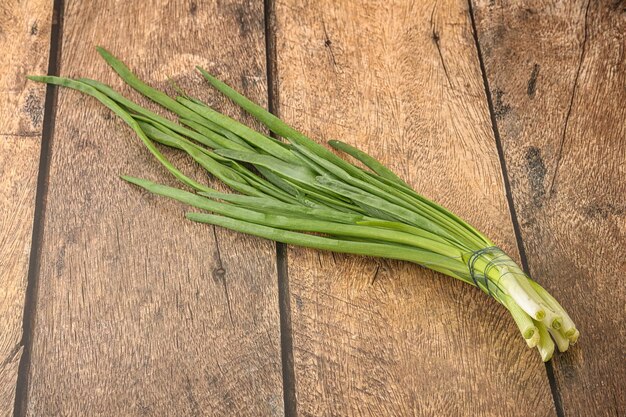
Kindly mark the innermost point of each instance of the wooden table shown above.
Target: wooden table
(512, 114)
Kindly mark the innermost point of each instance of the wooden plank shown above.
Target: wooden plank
(24, 47)
(402, 81)
(139, 311)
(557, 74)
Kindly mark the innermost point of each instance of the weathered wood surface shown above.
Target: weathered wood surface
(139, 311)
(24, 46)
(401, 80)
(558, 77)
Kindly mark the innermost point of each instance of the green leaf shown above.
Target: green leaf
(131, 79)
(405, 253)
(251, 136)
(369, 161)
(298, 173)
(223, 137)
(271, 206)
(135, 108)
(87, 89)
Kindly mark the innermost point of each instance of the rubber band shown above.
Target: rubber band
(491, 264)
(495, 258)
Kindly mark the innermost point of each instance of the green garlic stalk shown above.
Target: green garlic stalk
(298, 192)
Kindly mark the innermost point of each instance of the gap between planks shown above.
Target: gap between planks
(34, 262)
(556, 395)
(282, 270)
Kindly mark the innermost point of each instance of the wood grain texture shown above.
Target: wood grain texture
(141, 312)
(374, 337)
(24, 47)
(558, 76)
